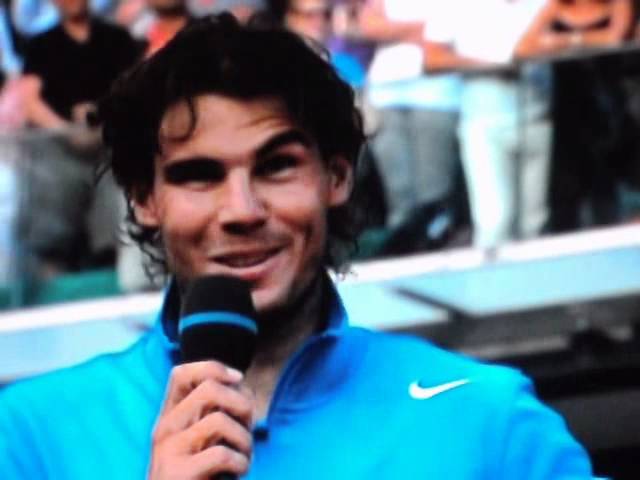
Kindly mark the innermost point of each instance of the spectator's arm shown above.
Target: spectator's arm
(618, 28)
(372, 23)
(440, 57)
(540, 39)
(38, 112)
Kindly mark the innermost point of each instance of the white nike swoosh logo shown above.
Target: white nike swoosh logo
(423, 393)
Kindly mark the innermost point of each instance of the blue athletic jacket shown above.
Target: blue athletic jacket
(351, 404)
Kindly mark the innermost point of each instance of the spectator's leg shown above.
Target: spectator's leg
(487, 134)
(392, 149)
(57, 191)
(435, 154)
(535, 159)
(489, 170)
(104, 219)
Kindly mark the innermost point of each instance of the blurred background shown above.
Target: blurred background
(500, 184)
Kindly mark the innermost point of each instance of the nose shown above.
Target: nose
(242, 211)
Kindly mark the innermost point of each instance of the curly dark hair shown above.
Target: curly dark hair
(218, 55)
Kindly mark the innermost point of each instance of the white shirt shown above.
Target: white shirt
(486, 30)
(396, 75)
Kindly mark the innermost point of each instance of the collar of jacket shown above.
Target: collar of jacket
(315, 373)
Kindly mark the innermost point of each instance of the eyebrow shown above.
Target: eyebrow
(285, 138)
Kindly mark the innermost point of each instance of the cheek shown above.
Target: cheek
(183, 219)
(303, 214)
(301, 208)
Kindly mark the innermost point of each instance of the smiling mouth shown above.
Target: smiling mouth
(246, 260)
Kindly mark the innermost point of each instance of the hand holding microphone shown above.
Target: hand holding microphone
(204, 428)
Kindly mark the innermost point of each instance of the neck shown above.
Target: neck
(171, 24)
(77, 28)
(177, 14)
(282, 340)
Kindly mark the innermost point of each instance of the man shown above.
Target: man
(505, 125)
(67, 69)
(243, 165)
(73, 65)
(168, 18)
(415, 146)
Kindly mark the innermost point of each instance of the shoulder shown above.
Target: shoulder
(45, 40)
(419, 357)
(494, 405)
(106, 403)
(67, 389)
(111, 30)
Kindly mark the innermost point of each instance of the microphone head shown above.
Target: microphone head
(217, 322)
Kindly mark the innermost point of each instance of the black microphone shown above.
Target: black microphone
(217, 322)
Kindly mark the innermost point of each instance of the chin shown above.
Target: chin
(267, 300)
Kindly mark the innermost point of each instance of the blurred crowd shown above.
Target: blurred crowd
(489, 120)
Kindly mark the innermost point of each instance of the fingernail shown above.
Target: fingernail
(234, 375)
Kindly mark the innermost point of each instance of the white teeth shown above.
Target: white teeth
(244, 261)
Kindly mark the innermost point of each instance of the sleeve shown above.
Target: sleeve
(441, 22)
(33, 59)
(17, 461)
(536, 442)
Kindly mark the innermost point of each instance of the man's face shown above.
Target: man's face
(311, 18)
(72, 9)
(246, 195)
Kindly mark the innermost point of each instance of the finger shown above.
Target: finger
(249, 394)
(185, 378)
(215, 429)
(218, 428)
(219, 459)
(208, 397)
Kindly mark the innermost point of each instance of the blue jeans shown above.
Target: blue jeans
(416, 153)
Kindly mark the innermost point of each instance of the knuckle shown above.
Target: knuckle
(223, 455)
(215, 369)
(208, 394)
(210, 387)
(216, 419)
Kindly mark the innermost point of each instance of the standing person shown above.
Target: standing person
(415, 146)
(242, 165)
(67, 69)
(33, 17)
(73, 64)
(312, 19)
(505, 126)
(169, 17)
(592, 134)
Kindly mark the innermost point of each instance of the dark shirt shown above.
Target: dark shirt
(74, 72)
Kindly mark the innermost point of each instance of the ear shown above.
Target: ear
(146, 210)
(341, 180)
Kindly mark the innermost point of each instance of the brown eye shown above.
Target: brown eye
(276, 165)
(196, 170)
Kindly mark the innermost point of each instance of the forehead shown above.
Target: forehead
(223, 125)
